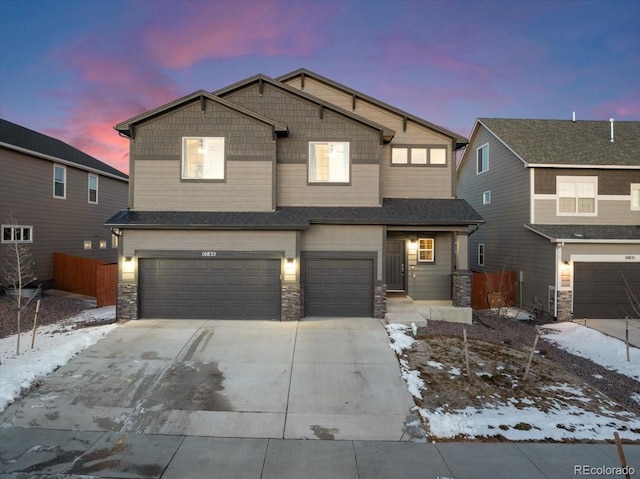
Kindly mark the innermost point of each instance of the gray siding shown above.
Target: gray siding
(508, 245)
(157, 158)
(306, 124)
(432, 281)
(62, 225)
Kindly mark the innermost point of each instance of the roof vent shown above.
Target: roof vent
(578, 235)
(574, 117)
(611, 120)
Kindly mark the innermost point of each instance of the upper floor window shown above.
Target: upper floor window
(480, 254)
(329, 162)
(413, 155)
(577, 195)
(486, 197)
(203, 158)
(93, 189)
(426, 250)
(482, 156)
(59, 181)
(635, 196)
(17, 234)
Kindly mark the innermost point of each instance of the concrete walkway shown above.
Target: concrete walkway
(32, 453)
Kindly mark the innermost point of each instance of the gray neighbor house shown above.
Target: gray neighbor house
(289, 197)
(561, 200)
(55, 198)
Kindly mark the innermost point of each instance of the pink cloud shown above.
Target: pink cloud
(623, 108)
(226, 30)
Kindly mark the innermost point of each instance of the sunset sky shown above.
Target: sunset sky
(72, 69)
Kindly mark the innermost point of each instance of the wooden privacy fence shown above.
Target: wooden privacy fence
(86, 276)
(490, 290)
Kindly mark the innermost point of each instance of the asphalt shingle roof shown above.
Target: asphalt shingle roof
(565, 142)
(22, 137)
(410, 212)
(587, 232)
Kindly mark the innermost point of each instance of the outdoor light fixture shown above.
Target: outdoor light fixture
(290, 266)
(128, 265)
(413, 245)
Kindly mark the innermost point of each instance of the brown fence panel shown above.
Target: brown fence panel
(106, 284)
(493, 289)
(75, 274)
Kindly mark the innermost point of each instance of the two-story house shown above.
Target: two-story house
(55, 198)
(277, 199)
(561, 200)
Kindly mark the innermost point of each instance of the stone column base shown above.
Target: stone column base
(290, 304)
(564, 300)
(461, 293)
(380, 300)
(127, 302)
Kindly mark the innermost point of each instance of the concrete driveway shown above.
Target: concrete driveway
(313, 379)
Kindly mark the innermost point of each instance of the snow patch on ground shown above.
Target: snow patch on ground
(54, 346)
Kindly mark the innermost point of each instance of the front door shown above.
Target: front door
(395, 265)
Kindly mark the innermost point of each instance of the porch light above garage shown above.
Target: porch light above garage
(128, 266)
(290, 266)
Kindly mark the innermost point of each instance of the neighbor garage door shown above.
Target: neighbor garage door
(210, 288)
(338, 287)
(599, 290)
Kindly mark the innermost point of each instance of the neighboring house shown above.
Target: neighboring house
(58, 197)
(285, 198)
(561, 200)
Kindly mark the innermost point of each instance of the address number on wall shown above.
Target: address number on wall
(209, 254)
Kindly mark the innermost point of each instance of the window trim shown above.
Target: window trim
(328, 182)
(577, 179)
(222, 139)
(63, 182)
(432, 250)
(89, 176)
(428, 162)
(13, 235)
(634, 187)
(486, 197)
(481, 254)
(484, 170)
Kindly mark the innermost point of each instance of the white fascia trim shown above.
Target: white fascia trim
(61, 161)
(532, 196)
(607, 167)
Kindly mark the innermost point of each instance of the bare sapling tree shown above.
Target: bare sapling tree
(18, 273)
(634, 300)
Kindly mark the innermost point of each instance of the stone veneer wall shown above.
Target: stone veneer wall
(462, 289)
(290, 303)
(564, 305)
(127, 302)
(380, 300)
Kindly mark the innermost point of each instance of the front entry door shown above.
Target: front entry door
(395, 265)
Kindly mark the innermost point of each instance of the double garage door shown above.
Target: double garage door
(599, 289)
(188, 288)
(210, 288)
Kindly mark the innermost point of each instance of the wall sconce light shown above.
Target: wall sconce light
(566, 263)
(413, 245)
(128, 266)
(290, 266)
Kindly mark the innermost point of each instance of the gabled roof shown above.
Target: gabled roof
(31, 142)
(588, 233)
(125, 126)
(388, 133)
(460, 140)
(410, 212)
(567, 143)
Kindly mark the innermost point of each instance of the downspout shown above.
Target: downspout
(557, 274)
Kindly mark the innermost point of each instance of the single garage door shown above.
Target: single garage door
(599, 290)
(210, 288)
(338, 287)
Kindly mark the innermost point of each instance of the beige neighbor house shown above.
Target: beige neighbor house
(58, 197)
(290, 197)
(561, 200)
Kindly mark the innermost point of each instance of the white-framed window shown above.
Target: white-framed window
(93, 188)
(426, 250)
(203, 158)
(17, 234)
(103, 244)
(418, 155)
(482, 158)
(87, 244)
(577, 195)
(59, 181)
(115, 239)
(635, 196)
(486, 197)
(480, 254)
(329, 162)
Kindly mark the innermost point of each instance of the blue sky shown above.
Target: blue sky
(72, 69)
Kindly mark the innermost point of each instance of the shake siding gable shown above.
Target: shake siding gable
(249, 162)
